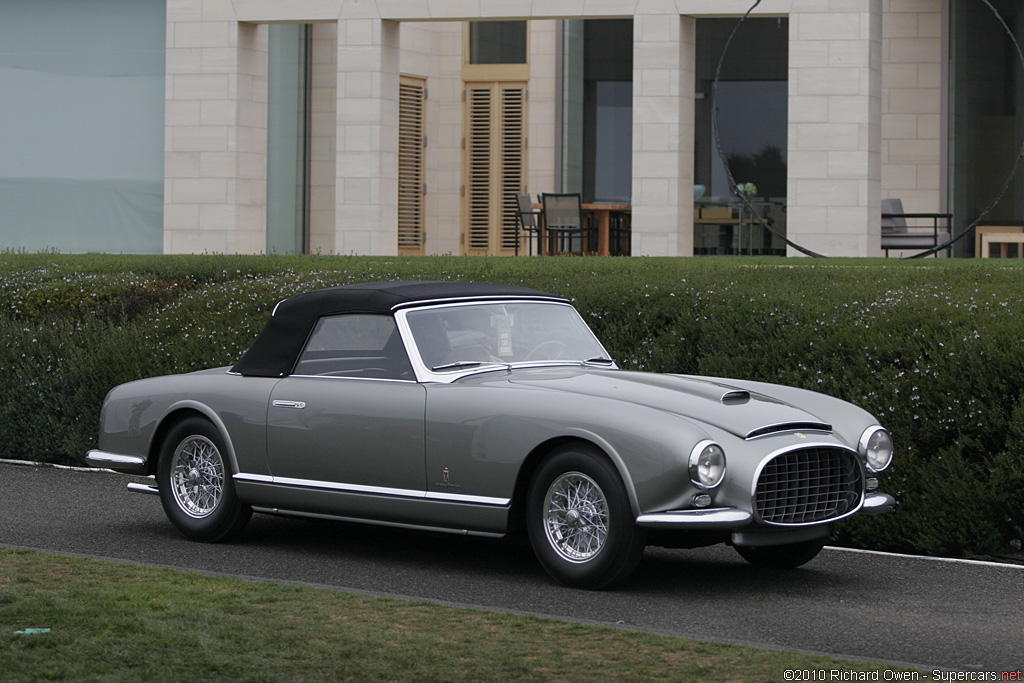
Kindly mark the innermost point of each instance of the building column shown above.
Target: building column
(216, 133)
(835, 90)
(366, 187)
(664, 59)
(323, 125)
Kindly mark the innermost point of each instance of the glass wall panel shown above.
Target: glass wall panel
(82, 121)
(986, 115)
(608, 110)
(752, 112)
(287, 138)
(571, 161)
(597, 109)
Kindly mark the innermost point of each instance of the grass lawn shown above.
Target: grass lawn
(122, 622)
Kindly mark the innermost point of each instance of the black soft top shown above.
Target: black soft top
(276, 350)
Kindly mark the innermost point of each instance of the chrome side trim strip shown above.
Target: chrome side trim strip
(464, 498)
(356, 379)
(255, 478)
(104, 459)
(709, 518)
(376, 522)
(372, 490)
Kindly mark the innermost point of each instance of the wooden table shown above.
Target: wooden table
(602, 213)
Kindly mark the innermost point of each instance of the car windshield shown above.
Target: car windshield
(456, 336)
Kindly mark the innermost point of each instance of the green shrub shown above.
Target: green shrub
(933, 348)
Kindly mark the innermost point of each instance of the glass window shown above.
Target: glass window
(497, 42)
(82, 121)
(986, 127)
(358, 345)
(287, 140)
(752, 103)
(597, 109)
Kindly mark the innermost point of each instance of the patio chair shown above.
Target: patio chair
(897, 234)
(563, 221)
(527, 221)
(620, 233)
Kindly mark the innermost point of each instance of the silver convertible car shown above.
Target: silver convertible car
(490, 410)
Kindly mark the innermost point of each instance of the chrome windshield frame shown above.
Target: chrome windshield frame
(425, 374)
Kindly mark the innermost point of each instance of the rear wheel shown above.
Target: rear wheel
(782, 556)
(196, 489)
(580, 522)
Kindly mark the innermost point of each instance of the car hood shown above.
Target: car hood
(738, 411)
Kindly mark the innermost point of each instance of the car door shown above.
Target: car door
(349, 418)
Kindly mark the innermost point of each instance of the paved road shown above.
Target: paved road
(922, 612)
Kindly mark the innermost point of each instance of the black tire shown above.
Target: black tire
(787, 556)
(196, 488)
(591, 541)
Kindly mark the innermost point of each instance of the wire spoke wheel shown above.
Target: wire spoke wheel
(579, 519)
(197, 476)
(576, 517)
(196, 489)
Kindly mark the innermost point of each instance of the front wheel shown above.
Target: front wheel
(580, 522)
(196, 489)
(786, 556)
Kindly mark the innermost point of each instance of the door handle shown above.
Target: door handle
(298, 405)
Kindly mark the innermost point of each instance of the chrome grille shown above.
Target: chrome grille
(809, 485)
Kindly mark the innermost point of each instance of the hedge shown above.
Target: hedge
(932, 347)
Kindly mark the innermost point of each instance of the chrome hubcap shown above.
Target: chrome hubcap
(576, 517)
(197, 476)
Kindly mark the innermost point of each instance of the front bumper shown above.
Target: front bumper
(710, 518)
(735, 518)
(877, 503)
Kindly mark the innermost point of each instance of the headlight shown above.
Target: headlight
(707, 465)
(876, 448)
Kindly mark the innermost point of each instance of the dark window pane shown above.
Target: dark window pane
(497, 42)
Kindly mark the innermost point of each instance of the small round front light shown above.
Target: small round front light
(876, 447)
(707, 465)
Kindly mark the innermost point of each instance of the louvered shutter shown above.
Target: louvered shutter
(513, 158)
(478, 169)
(411, 143)
(495, 165)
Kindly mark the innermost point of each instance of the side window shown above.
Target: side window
(357, 345)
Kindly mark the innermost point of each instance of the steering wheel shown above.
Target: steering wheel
(539, 350)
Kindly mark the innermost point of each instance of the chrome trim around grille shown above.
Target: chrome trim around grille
(813, 483)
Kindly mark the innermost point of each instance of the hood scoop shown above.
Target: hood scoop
(735, 398)
(789, 427)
